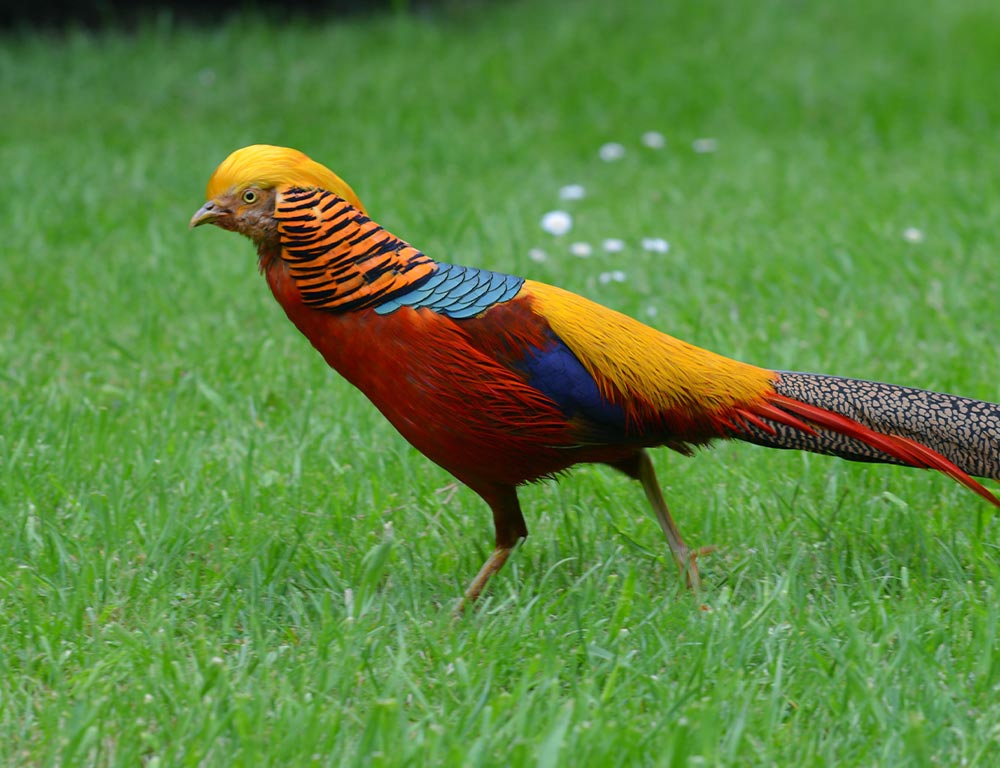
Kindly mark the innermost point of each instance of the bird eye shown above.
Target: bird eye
(249, 196)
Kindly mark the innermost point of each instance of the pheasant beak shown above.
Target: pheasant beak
(209, 213)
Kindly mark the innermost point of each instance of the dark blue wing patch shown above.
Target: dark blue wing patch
(559, 375)
(456, 291)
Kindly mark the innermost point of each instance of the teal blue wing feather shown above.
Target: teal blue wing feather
(458, 292)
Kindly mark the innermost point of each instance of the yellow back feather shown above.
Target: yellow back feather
(267, 166)
(633, 363)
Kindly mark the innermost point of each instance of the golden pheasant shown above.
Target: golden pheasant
(503, 381)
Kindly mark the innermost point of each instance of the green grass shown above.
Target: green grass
(216, 553)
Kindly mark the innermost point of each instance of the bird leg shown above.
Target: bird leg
(510, 528)
(493, 564)
(640, 467)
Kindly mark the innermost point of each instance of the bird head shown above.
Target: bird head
(242, 192)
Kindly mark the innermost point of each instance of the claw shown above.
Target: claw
(692, 577)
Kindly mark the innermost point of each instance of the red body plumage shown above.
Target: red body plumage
(451, 390)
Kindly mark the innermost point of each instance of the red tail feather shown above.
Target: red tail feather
(802, 416)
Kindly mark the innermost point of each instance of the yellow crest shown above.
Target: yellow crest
(267, 166)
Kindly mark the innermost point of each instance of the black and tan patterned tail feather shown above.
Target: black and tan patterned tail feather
(965, 431)
(871, 421)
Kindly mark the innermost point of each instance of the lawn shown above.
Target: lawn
(216, 553)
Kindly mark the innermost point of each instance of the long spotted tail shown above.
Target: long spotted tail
(871, 421)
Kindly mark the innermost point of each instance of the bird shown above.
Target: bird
(504, 381)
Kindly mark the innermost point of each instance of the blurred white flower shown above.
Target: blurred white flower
(615, 276)
(572, 192)
(538, 255)
(611, 151)
(581, 250)
(655, 244)
(613, 245)
(913, 235)
(557, 222)
(654, 140)
(703, 146)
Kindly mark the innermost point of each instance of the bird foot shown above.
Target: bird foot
(690, 566)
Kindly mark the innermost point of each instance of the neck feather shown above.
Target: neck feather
(339, 259)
